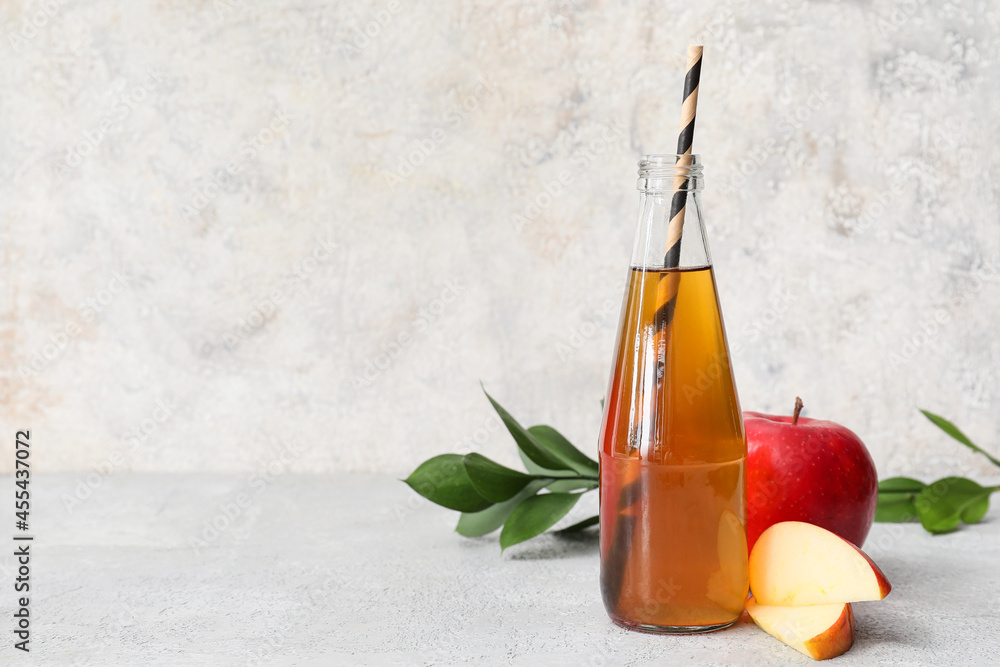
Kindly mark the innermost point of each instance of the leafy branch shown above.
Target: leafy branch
(527, 504)
(490, 495)
(941, 505)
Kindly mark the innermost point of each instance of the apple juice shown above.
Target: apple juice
(673, 462)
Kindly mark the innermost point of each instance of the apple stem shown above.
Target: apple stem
(798, 409)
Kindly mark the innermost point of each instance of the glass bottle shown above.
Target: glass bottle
(673, 448)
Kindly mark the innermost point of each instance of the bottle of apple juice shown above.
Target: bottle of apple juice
(672, 447)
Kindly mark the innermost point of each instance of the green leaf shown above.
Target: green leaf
(556, 443)
(896, 497)
(577, 527)
(536, 469)
(534, 516)
(476, 524)
(954, 432)
(896, 507)
(443, 480)
(942, 505)
(575, 484)
(976, 510)
(493, 481)
(527, 442)
(901, 485)
(566, 480)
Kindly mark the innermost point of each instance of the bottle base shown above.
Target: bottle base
(672, 629)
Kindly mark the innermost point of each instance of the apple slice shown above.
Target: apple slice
(820, 631)
(796, 564)
(727, 586)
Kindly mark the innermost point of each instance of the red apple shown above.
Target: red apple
(809, 470)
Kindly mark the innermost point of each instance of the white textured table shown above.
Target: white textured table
(356, 570)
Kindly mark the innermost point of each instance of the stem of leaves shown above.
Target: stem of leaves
(942, 505)
(490, 495)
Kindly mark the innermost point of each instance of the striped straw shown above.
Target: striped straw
(666, 299)
(684, 141)
(666, 290)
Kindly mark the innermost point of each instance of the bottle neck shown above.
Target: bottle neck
(670, 233)
(667, 173)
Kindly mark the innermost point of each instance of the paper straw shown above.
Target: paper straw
(666, 291)
(666, 299)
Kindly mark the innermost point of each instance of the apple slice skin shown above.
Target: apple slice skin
(884, 587)
(774, 580)
(835, 640)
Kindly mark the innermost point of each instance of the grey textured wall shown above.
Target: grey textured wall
(231, 225)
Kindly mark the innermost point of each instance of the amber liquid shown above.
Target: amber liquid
(673, 454)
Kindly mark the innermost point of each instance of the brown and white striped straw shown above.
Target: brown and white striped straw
(666, 299)
(667, 293)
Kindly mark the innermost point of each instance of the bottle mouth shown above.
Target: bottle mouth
(666, 172)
